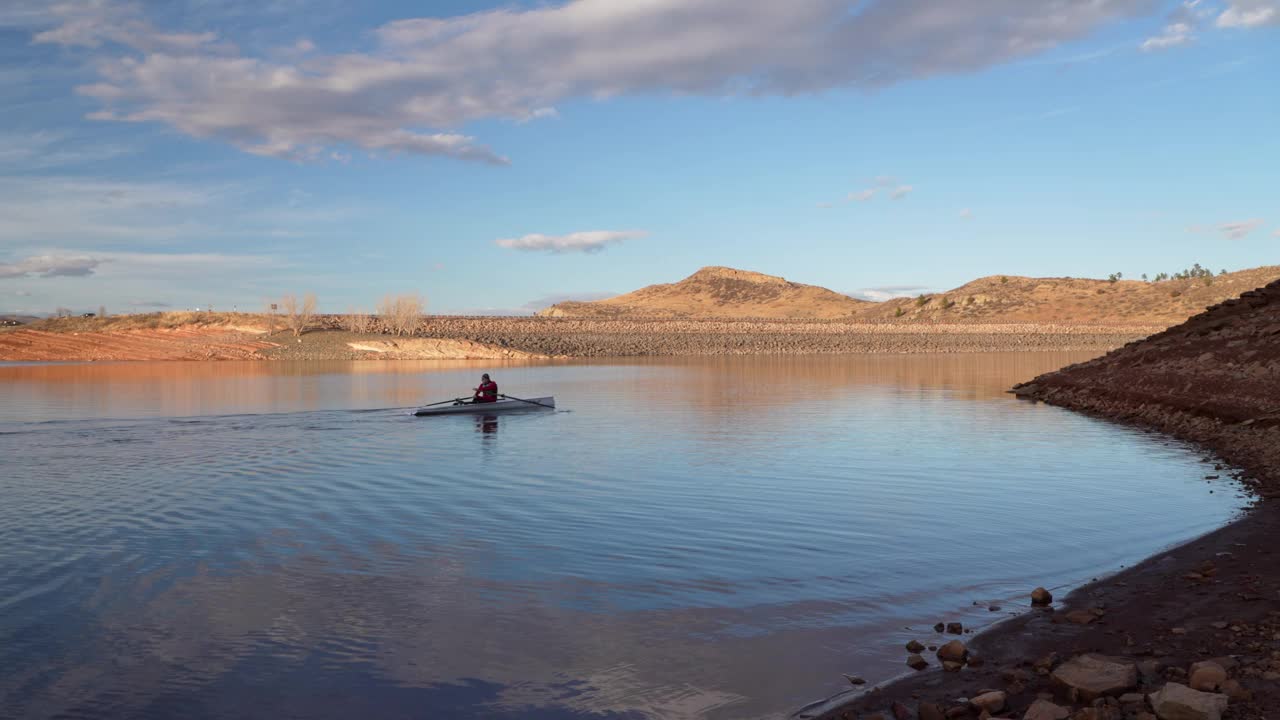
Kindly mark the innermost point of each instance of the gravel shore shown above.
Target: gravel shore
(576, 337)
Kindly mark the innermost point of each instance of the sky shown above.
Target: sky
(496, 158)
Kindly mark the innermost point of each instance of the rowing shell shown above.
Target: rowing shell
(543, 403)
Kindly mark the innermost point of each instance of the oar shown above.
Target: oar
(531, 402)
(443, 402)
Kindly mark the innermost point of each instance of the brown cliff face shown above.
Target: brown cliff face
(1213, 380)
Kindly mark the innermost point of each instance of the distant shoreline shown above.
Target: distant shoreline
(249, 337)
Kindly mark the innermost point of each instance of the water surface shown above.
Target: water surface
(688, 538)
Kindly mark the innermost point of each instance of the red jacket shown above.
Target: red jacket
(487, 392)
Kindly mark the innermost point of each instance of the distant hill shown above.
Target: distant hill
(1014, 299)
(720, 292)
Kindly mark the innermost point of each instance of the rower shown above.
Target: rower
(487, 392)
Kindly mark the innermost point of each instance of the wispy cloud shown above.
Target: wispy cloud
(861, 195)
(424, 76)
(587, 242)
(966, 214)
(554, 299)
(1239, 229)
(900, 192)
(48, 266)
(1249, 14)
(887, 292)
(1173, 35)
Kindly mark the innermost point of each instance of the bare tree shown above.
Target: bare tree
(63, 312)
(357, 321)
(401, 315)
(298, 315)
(102, 311)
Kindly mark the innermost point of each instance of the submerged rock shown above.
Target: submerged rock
(917, 662)
(915, 647)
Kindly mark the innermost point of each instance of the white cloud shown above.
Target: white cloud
(1239, 229)
(900, 192)
(1276, 234)
(48, 266)
(424, 76)
(590, 241)
(45, 150)
(861, 196)
(888, 292)
(966, 214)
(1173, 35)
(1249, 14)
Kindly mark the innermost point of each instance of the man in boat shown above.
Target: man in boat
(487, 392)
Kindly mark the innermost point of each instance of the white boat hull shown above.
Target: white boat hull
(542, 403)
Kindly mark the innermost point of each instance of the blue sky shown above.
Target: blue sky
(496, 158)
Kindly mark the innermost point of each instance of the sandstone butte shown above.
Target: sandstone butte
(1192, 633)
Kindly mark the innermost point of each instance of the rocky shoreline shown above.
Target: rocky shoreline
(1190, 634)
(448, 337)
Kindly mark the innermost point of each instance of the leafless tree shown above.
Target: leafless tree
(401, 314)
(63, 312)
(298, 314)
(102, 311)
(357, 321)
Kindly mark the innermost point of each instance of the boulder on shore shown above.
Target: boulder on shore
(954, 651)
(991, 702)
(1207, 676)
(1179, 702)
(1040, 596)
(1045, 710)
(1085, 678)
(917, 662)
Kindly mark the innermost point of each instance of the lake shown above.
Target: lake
(684, 538)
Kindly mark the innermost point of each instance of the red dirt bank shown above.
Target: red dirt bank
(1213, 381)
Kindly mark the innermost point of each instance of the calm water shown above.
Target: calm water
(690, 538)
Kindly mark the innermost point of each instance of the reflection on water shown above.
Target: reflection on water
(717, 537)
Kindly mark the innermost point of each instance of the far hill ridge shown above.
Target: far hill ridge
(721, 292)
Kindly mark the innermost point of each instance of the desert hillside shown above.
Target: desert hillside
(723, 293)
(1008, 298)
(718, 292)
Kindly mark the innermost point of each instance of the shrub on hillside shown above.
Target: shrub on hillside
(297, 315)
(400, 315)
